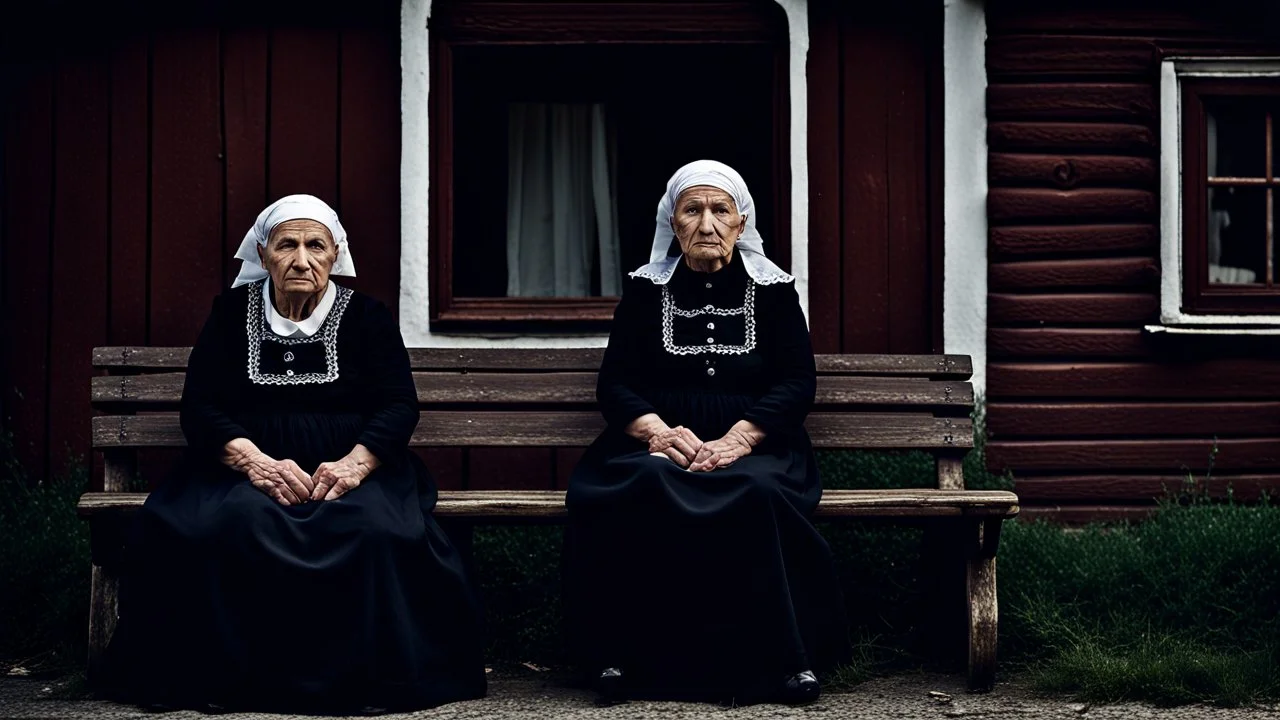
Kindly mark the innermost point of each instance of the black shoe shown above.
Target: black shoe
(609, 686)
(800, 689)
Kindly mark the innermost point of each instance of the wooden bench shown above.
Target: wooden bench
(546, 398)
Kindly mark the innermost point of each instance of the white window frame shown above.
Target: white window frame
(1172, 70)
(415, 173)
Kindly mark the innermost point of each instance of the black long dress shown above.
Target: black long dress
(711, 585)
(233, 599)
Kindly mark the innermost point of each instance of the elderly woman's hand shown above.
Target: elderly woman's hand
(281, 480)
(678, 444)
(737, 443)
(335, 479)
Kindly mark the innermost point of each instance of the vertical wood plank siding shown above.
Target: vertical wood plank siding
(1083, 406)
(875, 176)
(81, 92)
(29, 153)
(135, 160)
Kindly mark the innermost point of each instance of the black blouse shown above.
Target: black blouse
(356, 363)
(709, 333)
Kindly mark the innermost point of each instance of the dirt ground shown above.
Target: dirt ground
(521, 694)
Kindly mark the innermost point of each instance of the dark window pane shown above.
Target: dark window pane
(1275, 139)
(666, 105)
(1237, 137)
(1275, 246)
(1237, 235)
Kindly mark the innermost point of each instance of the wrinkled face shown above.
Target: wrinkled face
(707, 223)
(299, 255)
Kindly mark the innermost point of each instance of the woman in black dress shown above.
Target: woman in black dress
(691, 566)
(292, 563)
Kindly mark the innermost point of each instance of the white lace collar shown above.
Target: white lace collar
(284, 327)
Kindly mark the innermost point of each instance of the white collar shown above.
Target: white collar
(284, 327)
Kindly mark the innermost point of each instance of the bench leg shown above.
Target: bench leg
(106, 549)
(983, 626)
(102, 619)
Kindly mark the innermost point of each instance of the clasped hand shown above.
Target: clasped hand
(682, 446)
(288, 484)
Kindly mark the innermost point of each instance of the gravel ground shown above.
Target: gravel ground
(532, 695)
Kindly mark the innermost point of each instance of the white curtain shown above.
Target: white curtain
(561, 201)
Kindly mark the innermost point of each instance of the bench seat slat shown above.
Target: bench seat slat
(552, 388)
(495, 504)
(957, 367)
(577, 429)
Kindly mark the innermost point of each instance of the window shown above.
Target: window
(554, 127)
(1220, 217)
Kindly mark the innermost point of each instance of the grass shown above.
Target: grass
(1184, 607)
(1159, 668)
(44, 569)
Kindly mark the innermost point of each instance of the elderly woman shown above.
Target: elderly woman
(293, 564)
(692, 569)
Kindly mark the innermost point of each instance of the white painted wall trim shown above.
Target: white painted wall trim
(1171, 276)
(415, 165)
(798, 85)
(415, 172)
(964, 283)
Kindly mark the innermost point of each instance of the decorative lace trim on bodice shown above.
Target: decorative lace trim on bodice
(259, 332)
(670, 312)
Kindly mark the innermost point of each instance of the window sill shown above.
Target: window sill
(1235, 331)
(539, 315)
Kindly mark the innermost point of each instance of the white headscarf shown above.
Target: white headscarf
(291, 207)
(750, 245)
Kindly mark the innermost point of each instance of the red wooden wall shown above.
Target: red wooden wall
(875, 176)
(136, 158)
(1086, 409)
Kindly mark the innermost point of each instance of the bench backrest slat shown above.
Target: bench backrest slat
(539, 428)
(444, 388)
(524, 360)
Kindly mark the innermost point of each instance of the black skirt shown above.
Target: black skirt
(710, 585)
(232, 599)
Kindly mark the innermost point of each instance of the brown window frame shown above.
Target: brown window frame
(470, 22)
(1199, 296)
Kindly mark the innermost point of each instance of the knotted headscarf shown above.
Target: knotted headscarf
(750, 245)
(291, 207)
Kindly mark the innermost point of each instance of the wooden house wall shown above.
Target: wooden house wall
(138, 151)
(875, 176)
(1087, 410)
(140, 143)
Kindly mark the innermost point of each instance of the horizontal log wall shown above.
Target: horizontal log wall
(1094, 416)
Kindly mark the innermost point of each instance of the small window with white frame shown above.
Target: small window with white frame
(1220, 167)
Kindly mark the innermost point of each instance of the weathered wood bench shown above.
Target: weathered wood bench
(546, 398)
